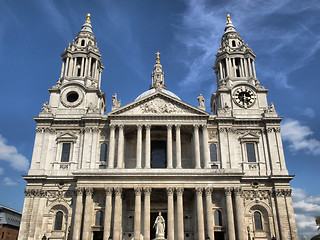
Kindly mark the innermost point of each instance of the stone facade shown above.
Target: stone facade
(100, 176)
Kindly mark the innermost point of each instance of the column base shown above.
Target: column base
(159, 238)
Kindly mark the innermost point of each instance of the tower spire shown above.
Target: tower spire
(157, 74)
(88, 18)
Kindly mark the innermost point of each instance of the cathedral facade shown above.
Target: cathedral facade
(158, 167)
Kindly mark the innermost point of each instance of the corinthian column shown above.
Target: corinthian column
(205, 146)
(147, 193)
(78, 215)
(240, 214)
(230, 220)
(178, 146)
(180, 213)
(169, 146)
(139, 146)
(170, 214)
(200, 213)
(196, 145)
(108, 213)
(111, 147)
(87, 220)
(137, 214)
(209, 213)
(148, 143)
(117, 214)
(120, 147)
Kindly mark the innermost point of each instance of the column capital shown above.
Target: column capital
(121, 126)
(177, 126)
(179, 191)
(169, 126)
(196, 126)
(147, 191)
(118, 191)
(89, 191)
(138, 191)
(204, 126)
(238, 191)
(112, 126)
(199, 191)
(170, 191)
(79, 191)
(139, 126)
(228, 191)
(108, 190)
(208, 191)
(148, 126)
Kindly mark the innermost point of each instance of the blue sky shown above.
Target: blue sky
(285, 35)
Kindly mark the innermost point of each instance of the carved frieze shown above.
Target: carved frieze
(256, 194)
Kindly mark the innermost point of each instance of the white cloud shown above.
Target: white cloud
(306, 208)
(8, 181)
(299, 137)
(11, 155)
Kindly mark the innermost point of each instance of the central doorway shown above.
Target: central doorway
(158, 154)
(153, 217)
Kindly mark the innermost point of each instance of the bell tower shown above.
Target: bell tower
(239, 93)
(77, 92)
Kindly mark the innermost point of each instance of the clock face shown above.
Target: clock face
(244, 97)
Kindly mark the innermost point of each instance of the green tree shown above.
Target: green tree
(318, 224)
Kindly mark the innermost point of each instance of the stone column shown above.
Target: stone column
(62, 69)
(210, 229)
(292, 220)
(178, 146)
(148, 143)
(180, 213)
(170, 191)
(231, 232)
(111, 146)
(107, 213)
(227, 67)
(86, 67)
(34, 215)
(147, 193)
(220, 70)
(240, 218)
(137, 214)
(249, 66)
(139, 146)
(117, 214)
(120, 147)
(87, 220)
(169, 146)
(24, 219)
(89, 67)
(242, 68)
(66, 67)
(196, 145)
(78, 214)
(200, 213)
(70, 67)
(254, 69)
(282, 213)
(234, 67)
(74, 66)
(82, 67)
(206, 146)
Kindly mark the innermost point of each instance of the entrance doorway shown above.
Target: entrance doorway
(158, 154)
(98, 235)
(153, 217)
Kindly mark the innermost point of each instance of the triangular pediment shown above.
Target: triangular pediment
(158, 104)
(249, 136)
(67, 137)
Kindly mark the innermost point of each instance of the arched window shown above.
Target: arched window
(99, 218)
(257, 221)
(213, 153)
(217, 218)
(82, 43)
(233, 43)
(58, 221)
(103, 152)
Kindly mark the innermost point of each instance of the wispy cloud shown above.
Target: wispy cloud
(9, 182)
(306, 207)
(299, 137)
(11, 155)
(285, 44)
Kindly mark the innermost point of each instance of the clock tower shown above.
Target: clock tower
(239, 93)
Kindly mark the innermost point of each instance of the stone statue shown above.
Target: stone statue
(115, 103)
(201, 102)
(160, 225)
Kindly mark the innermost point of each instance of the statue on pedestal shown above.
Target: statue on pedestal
(160, 225)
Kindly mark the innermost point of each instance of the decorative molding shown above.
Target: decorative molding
(212, 134)
(160, 106)
(282, 192)
(256, 194)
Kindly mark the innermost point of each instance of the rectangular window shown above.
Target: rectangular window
(251, 154)
(103, 152)
(213, 153)
(65, 154)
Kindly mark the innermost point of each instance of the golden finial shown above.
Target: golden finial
(158, 57)
(228, 18)
(88, 18)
